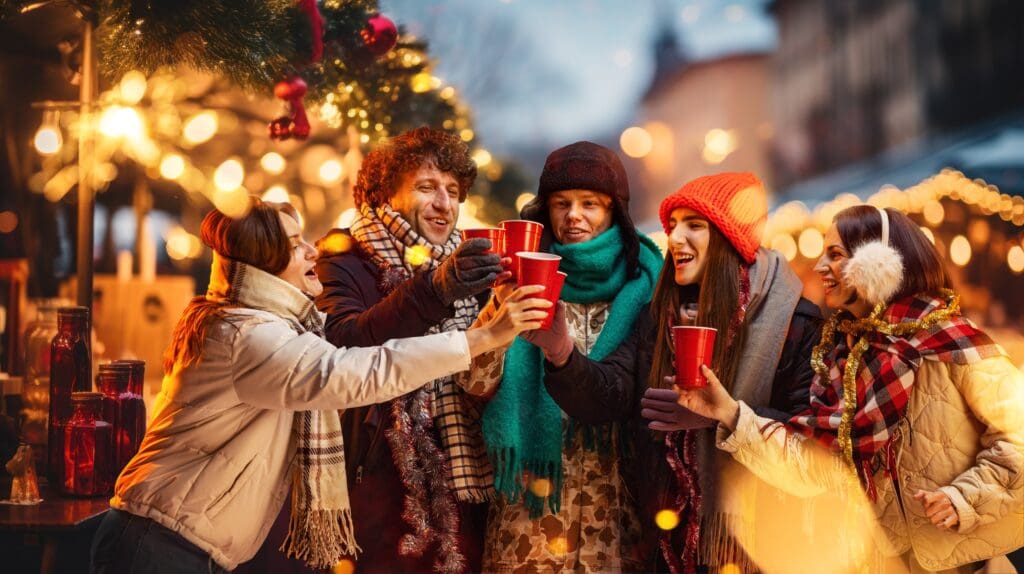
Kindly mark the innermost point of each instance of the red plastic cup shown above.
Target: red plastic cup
(694, 347)
(541, 269)
(520, 235)
(497, 237)
(553, 292)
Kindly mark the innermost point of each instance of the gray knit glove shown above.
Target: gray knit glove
(467, 272)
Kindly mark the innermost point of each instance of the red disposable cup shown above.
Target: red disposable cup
(552, 293)
(520, 235)
(540, 269)
(694, 347)
(497, 237)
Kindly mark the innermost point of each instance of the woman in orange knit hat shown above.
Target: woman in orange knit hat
(715, 274)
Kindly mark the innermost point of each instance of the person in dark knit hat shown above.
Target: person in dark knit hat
(715, 274)
(572, 512)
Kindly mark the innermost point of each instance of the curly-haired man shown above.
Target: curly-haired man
(415, 505)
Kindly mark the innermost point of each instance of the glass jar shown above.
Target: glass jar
(131, 413)
(70, 371)
(36, 391)
(88, 457)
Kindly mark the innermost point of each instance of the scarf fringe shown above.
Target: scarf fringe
(321, 538)
(718, 547)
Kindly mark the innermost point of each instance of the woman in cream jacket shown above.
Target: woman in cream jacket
(912, 403)
(249, 410)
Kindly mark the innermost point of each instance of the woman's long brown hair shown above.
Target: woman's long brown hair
(716, 307)
(257, 239)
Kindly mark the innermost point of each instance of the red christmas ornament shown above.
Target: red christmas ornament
(294, 124)
(379, 35)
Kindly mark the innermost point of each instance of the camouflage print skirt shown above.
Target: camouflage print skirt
(595, 531)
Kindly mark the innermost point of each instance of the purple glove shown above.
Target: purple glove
(661, 406)
(555, 342)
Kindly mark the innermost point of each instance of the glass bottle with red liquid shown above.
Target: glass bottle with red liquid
(70, 371)
(88, 453)
(131, 413)
(112, 382)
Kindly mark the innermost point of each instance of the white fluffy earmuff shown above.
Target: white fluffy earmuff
(875, 268)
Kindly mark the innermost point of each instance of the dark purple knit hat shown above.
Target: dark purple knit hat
(584, 165)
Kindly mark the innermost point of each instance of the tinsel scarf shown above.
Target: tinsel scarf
(429, 506)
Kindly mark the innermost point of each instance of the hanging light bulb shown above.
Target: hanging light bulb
(48, 139)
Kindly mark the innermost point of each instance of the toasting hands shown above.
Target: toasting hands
(468, 271)
(662, 408)
(522, 311)
(711, 401)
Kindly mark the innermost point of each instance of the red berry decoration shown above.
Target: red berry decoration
(295, 124)
(379, 35)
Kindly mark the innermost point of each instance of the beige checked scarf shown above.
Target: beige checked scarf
(392, 244)
(320, 531)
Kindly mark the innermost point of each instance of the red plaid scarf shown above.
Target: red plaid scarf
(880, 370)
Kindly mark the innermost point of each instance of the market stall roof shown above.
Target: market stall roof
(993, 151)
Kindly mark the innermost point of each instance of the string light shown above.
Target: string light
(229, 175)
(273, 163)
(172, 166)
(200, 127)
(48, 139)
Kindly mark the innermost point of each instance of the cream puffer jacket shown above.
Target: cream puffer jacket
(963, 435)
(214, 465)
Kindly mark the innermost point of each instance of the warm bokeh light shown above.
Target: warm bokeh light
(929, 234)
(636, 142)
(558, 546)
(121, 122)
(811, 243)
(132, 87)
(334, 243)
(422, 82)
(417, 255)
(200, 127)
(748, 205)
(523, 199)
(960, 250)
(718, 144)
(784, 244)
(730, 568)
(467, 135)
(666, 519)
(8, 221)
(330, 171)
(346, 218)
(272, 163)
(276, 193)
(48, 140)
(540, 487)
(229, 175)
(933, 212)
(172, 166)
(234, 203)
(182, 245)
(447, 93)
(1015, 259)
(482, 157)
(979, 231)
(346, 566)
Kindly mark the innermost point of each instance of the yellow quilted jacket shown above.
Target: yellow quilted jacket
(963, 434)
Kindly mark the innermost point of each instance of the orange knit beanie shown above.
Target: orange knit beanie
(734, 202)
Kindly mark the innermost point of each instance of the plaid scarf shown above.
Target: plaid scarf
(431, 476)
(320, 531)
(860, 394)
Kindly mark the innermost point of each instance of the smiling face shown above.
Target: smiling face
(688, 238)
(303, 257)
(838, 295)
(428, 199)
(579, 215)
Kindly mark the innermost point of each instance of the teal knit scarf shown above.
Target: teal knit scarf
(522, 425)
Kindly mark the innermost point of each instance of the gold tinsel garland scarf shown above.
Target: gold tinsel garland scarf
(861, 393)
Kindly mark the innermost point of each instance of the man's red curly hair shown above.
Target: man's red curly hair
(384, 167)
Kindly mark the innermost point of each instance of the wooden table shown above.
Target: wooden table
(57, 518)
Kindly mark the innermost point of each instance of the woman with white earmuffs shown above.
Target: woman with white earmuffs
(912, 404)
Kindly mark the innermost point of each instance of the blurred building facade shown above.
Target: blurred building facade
(700, 117)
(853, 78)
